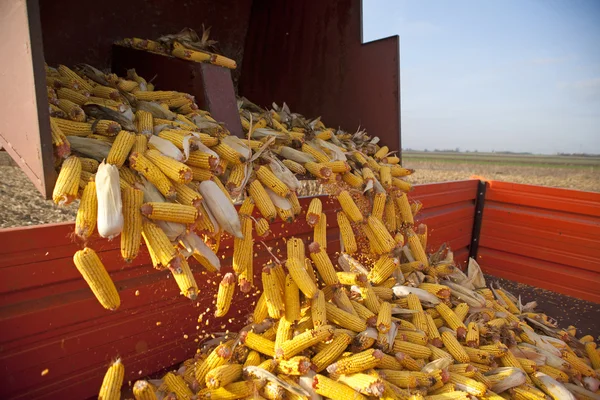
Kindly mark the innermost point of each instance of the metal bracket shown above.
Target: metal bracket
(479, 205)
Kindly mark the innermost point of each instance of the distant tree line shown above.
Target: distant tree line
(457, 150)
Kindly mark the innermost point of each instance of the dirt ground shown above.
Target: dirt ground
(22, 205)
(579, 178)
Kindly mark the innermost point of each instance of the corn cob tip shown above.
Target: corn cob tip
(314, 247)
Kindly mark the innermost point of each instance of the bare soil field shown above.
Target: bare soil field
(22, 205)
(580, 173)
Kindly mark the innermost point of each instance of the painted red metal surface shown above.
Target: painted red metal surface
(545, 237)
(50, 320)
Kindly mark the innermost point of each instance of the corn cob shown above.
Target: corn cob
(67, 184)
(87, 212)
(157, 240)
(90, 267)
(131, 235)
(301, 277)
(112, 382)
(356, 363)
(219, 356)
(262, 200)
(319, 170)
(163, 211)
(173, 169)
(352, 211)
(151, 172)
(143, 390)
(303, 341)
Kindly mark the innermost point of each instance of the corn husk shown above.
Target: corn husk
(110, 207)
(91, 148)
(221, 208)
(167, 148)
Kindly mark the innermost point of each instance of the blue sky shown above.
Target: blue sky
(518, 75)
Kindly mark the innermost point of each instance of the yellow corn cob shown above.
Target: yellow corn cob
(61, 145)
(127, 85)
(173, 212)
(385, 176)
(510, 305)
(88, 164)
(468, 385)
(186, 195)
(273, 293)
(344, 319)
(415, 247)
(144, 122)
(352, 278)
(592, 353)
(449, 395)
(483, 357)
(247, 207)
(121, 148)
(262, 227)
(374, 165)
(472, 337)
(378, 205)
(242, 250)
(140, 145)
(175, 170)
(382, 269)
(268, 179)
(72, 95)
(131, 235)
(225, 295)
(496, 350)
(151, 172)
(347, 234)
(90, 267)
(319, 170)
(349, 207)
(416, 337)
(291, 300)
(185, 279)
(67, 184)
(143, 390)
(340, 167)
(229, 153)
(72, 110)
(315, 209)
(323, 263)
(156, 239)
(253, 358)
(320, 156)
(223, 375)
(200, 174)
(295, 249)
(177, 385)
(353, 180)
(356, 363)
(294, 167)
(219, 356)
(296, 207)
(384, 318)
(584, 339)
(389, 218)
(577, 363)
(389, 362)
(87, 213)
(552, 372)
(101, 138)
(382, 152)
(106, 127)
(70, 74)
(413, 350)
(370, 299)
(204, 56)
(286, 215)
(303, 341)
(402, 185)
(106, 92)
(262, 200)
(526, 392)
(405, 212)
(402, 379)
(331, 351)
(301, 277)
(112, 382)
(317, 309)
(298, 365)
(369, 385)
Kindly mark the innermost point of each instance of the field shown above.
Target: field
(580, 173)
(21, 204)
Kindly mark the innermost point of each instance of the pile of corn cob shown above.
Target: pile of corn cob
(391, 322)
(186, 45)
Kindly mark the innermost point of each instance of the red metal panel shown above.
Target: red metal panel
(24, 123)
(311, 56)
(50, 320)
(544, 237)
